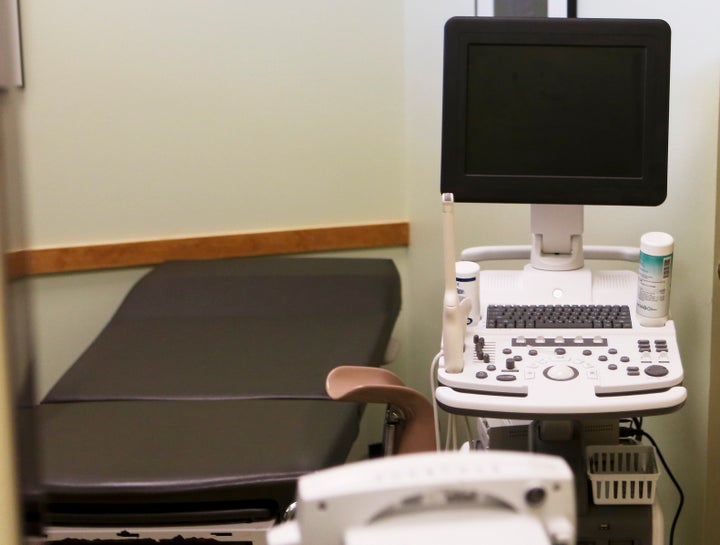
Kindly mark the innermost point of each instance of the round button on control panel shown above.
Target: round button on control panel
(561, 372)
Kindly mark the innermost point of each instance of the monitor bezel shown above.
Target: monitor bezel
(649, 189)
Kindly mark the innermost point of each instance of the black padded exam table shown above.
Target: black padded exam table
(202, 401)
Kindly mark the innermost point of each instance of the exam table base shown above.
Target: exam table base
(250, 533)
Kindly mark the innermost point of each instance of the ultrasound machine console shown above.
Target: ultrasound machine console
(558, 114)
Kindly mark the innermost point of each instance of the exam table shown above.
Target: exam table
(202, 401)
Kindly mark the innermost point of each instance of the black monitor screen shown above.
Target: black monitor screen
(555, 111)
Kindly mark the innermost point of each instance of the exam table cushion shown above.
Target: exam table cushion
(203, 399)
(185, 462)
(238, 329)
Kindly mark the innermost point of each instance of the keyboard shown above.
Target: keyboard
(558, 316)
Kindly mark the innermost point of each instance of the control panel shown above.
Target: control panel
(576, 357)
(568, 371)
(621, 362)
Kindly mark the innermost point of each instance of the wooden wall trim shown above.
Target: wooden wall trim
(150, 252)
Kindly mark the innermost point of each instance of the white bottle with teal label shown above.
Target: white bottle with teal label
(467, 281)
(654, 276)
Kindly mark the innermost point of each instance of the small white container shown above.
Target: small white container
(467, 280)
(654, 278)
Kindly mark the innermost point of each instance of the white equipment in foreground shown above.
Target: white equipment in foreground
(458, 498)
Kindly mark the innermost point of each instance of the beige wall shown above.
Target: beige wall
(145, 119)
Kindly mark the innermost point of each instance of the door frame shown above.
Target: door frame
(712, 485)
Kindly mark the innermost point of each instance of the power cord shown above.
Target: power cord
(451, 435)
(433, 385)
(635, 431)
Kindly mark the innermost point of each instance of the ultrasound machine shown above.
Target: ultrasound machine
(557, 359)
(557, 114)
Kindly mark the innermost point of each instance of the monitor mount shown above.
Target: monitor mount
(556, 237)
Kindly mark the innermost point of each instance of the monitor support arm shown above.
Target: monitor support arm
(556, 237)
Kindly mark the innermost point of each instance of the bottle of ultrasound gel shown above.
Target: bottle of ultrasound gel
(654, 276)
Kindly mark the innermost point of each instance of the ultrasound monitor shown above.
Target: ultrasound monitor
(556, 112)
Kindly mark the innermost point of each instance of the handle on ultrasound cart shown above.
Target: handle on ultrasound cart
(498, 253)
(511, 406)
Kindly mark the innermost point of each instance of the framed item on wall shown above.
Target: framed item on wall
(523, 8)
(11, 71)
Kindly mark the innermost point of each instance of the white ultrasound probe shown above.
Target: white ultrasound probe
(455, 311)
